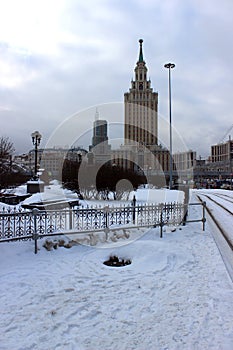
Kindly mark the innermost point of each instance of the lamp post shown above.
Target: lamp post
(170, 66)
(36, 137)
(231, 157)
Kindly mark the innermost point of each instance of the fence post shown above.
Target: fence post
(106, 210)
(35, 235)
(70, 219)
(185, 189)
(161, 222)
(203, 216)
(134, 205)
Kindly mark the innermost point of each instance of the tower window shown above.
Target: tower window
(140, 86)
(140, 76)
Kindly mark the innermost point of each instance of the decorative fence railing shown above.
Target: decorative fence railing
(15, 225)
(34, 224)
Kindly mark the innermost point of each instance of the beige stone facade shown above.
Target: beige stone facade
(141, 107)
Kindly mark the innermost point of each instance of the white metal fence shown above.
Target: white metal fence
(16, 225)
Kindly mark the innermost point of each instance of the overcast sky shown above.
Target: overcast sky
(60, 57)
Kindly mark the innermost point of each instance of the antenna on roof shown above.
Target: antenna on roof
(96, 114)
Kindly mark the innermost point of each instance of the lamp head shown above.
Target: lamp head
(36, 137)
(169, 65)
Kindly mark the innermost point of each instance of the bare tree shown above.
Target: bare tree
(6, 151)
(10, 173)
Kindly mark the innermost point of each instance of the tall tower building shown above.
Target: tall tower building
(100, 130)
(100, 150)
(141, 107)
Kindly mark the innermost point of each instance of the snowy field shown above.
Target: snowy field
(176, 294)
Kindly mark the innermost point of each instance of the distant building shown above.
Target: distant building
(222, 152)
(141, 107)
(138, 157)
(141, 130)
(100, 150)
(220, 163)
(52, 159)
(140, 122)
(184, 160)
(100, 131)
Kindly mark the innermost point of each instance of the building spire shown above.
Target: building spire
(96, 114)
(140, 52)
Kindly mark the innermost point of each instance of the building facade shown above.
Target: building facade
(141, 108)
(222, 152)
(99, 150)
(184, 161)
(100, 130)
(141, 131)
(52, 159)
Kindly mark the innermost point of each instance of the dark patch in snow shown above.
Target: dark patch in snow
(114, 261)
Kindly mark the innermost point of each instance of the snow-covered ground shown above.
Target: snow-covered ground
(176, 294)
(143, 195)
(55, 192)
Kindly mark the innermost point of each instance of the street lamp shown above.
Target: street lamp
(36, 137)
(170, 66)
(231, 156)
